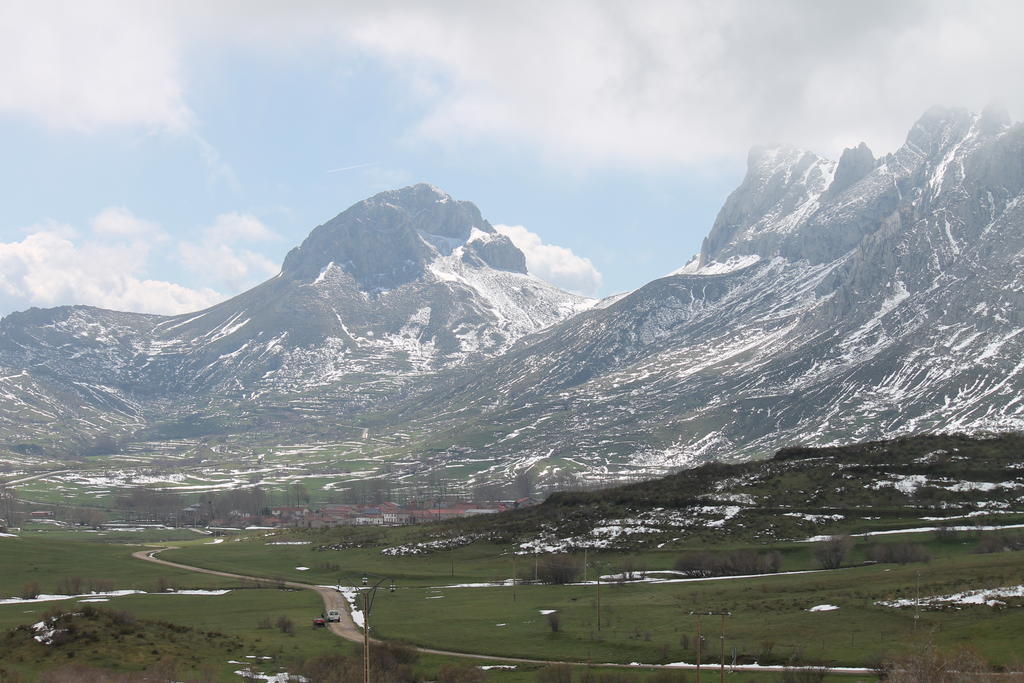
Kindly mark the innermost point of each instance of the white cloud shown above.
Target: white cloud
(118, 222)
(585, 81)
(49, 268)
(217, 257)
(554, 264)
(83, 65)
(654, 82)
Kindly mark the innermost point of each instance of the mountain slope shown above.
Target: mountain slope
(830, 303)
(399, 285)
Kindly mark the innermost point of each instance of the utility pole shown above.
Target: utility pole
(514, 575)
(366, 637)
(598, 599)
(368, 596)
(584, 565)
(698, 648)
(917, 601)
(721, 669)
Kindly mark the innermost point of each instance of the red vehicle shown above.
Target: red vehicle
(319, 622)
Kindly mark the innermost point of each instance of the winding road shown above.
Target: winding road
(347, 629)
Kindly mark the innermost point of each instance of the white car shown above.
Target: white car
(333, 615)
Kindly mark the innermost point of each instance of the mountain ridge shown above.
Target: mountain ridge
(831, 301)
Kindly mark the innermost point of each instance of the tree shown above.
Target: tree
(524, 483)
(8, 507)
(558, 569)
(831, 552)
(929, 665)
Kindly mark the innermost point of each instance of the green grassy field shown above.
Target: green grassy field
(227, 628)
(651, 622)
(51, 561)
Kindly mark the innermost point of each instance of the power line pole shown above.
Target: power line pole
(721, 669)
(698, 648)
(514, 575)
(917, 601)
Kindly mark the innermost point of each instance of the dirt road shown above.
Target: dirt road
(347, 629)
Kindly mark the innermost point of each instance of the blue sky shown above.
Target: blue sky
(161, 157)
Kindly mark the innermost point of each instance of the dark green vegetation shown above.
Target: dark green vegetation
(952, 479)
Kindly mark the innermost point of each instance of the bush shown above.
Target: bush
(928, 665)
(460, 674)
(554, 621)
(30, 590)
(997, 543)
(804, 675)
(735, 563)
(558, 569)
(831, 552)
(898, 553)
(285, 624)
(555, 673)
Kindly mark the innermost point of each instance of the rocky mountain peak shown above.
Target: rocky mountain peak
(391, 238)
(779, 181)
(854, 164)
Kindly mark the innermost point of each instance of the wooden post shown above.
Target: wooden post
(698, 648)
(721, 676)
(514, 577)
(366, 637)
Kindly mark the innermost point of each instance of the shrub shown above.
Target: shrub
(814, 674)
(555, 673)
(30, 590)
(735, 563)
(460, 674)
(898, 553)
(929, 665)
(554, 621)
(558, 569)
(285, 624)
(831, 552)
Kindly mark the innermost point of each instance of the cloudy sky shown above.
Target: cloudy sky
(163, 156)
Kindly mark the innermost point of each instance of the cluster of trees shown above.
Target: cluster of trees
(389, 663)
(733, 563)
(10, 508)
(898, 553)
(558, 569)
(998, 543)
(831, 552)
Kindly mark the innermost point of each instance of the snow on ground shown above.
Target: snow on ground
(983, 596)
(823, 608)
(817, 519)
(45, 632)
(270, 678)
(351, 594)
(919, 530)
(96, 597)
(906, 484)
(8, 535)
(44, 597)
(287, 543)
(498, 667)
(302, 569)
(547, 611)
(214, 541)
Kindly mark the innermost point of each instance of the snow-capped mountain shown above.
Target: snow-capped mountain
(404, 283)
(831, 302)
